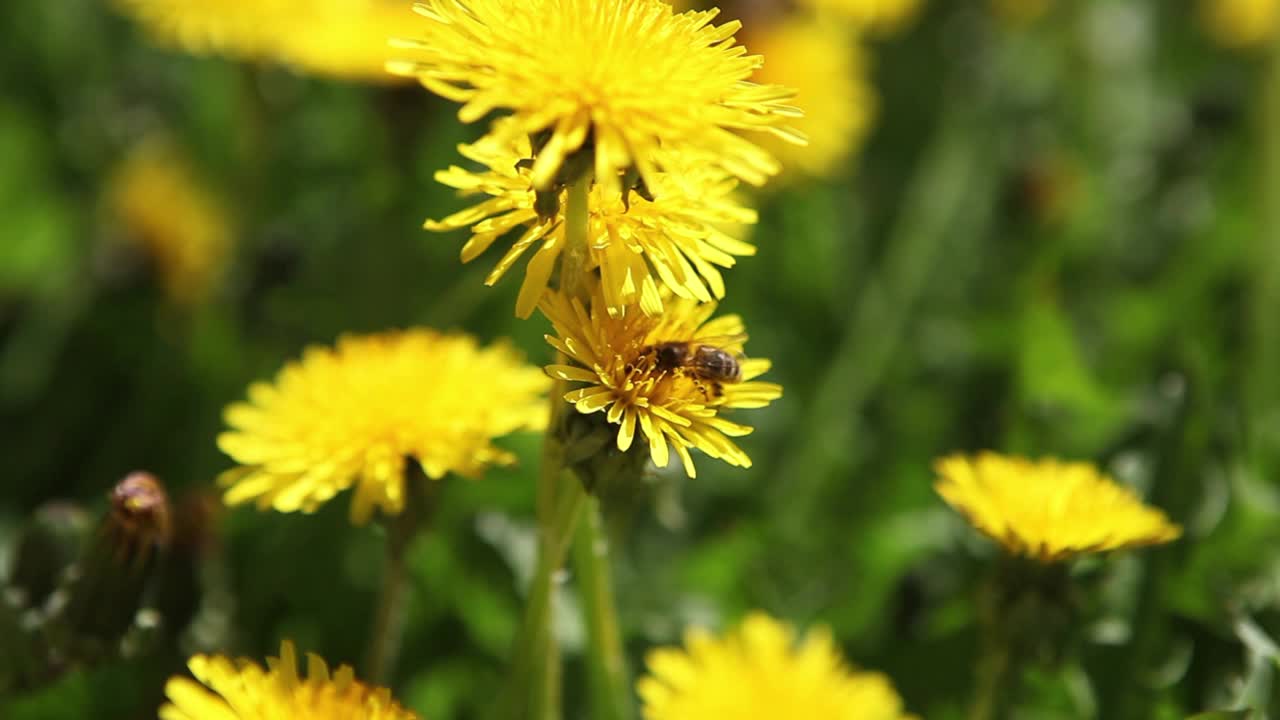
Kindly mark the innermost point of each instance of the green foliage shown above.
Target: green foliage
(1049, 246)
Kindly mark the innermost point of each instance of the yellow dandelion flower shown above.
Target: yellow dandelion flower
(873, 15)
(242, 28)
(357, 413)
(674, 238)
(826, 66)
(163, 208)
(335, 38)
(244, 690)
(1240, 23)
(617, 78)
(668, 375)
(761, 671)
(1049, 510)
(346, 38)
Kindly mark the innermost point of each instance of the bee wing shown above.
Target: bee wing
(731, 344)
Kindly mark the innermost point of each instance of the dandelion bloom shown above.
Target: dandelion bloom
(1240, 23)
(674, 237)
(165, 210)
(616, 78)
(243, 690)
(1049, 510)
(335, 38)
(761, 671)
(825, 64)
(875, 15)
(620, 360)
(358, 413)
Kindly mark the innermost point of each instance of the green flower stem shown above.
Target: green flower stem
(534, 692)
(606, 660)
(1263, 380)
(390, 613)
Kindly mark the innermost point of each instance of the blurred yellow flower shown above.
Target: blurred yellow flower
(873, 15)
(177, 223)
(614, 79)
(335, 38)
(243, 690)
(668, 375)
(675, 239)
(357, 413)
(761, 671)
(826, 66)
(1240, 23)
(1046, 509)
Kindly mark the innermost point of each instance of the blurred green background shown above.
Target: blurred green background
(1061, 236)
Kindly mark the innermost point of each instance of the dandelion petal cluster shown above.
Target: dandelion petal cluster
(357, 413)
(244, 690)
(622, 78)
(1049, 510)
(760, 671)
(671, 409)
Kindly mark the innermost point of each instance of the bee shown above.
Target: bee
(709, 366)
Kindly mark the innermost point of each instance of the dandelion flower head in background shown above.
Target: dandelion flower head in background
(871, 15)
(165, 211)
(1049, 510)
(826, 65)
(333, 38)
(674, 237)
(1240, 23)
(762, 671)
(666, 377)
(357, 413)
(617, 78)
(244, 690)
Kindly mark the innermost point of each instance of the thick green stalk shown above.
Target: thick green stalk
(1263, 380)
(389, 615)
(606, 657)
(534, 690)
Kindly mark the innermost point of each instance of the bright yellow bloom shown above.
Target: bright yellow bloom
(761, 672)
(616, 78)
(173, 219)
(676, 239)
(673, 407)
(1049, 510)
(335, 38)
(874, 15)
(243, 690)
(1241, 23)
(356, 415)
(826, 66)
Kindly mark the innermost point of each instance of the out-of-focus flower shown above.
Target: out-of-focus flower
(176, 222)
(762, 671)
(335, 38)
(872, 15)
(826, 65)
(1241, 23)
(606, 83)
(668, 376)
(672, 237)
(358, 413)
(243, 690)
(1049, 510)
